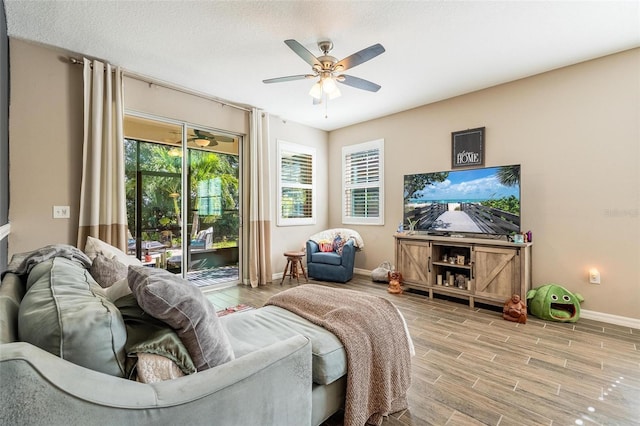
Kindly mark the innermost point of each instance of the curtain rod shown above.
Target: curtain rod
(149, 80)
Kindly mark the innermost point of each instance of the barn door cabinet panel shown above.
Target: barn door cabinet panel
(413, 260)
(497, 272)
(489, 271)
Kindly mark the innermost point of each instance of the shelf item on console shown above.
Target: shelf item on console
(489, 271)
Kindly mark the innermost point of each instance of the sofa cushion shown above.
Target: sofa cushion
(251, 330)
(146, 334)
(331, 258)
(65, 312)
(182, 305)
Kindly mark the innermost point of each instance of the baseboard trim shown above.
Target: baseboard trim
(611, 319)
(361, 271)
(592, 315)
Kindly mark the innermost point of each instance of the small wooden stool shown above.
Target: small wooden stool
(294, 258)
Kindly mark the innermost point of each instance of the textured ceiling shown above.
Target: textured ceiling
(434, 49)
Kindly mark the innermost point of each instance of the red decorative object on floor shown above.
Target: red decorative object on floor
(233, 309)
(515, 310)
(395, 280)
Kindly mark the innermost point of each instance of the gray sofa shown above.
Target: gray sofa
(286, 371)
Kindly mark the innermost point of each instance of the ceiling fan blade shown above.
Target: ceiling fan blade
(223, 139)
(360, 57)
(303, 52)
(213, 139)
(288, 78)
(358, 83)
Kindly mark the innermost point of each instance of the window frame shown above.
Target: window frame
(349, 150)
(294, 148)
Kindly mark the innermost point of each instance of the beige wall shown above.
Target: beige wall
(287, 238)
(169, 103)
(45, 146)
(575, 131)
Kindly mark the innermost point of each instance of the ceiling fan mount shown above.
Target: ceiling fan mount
(329, 69)
(325, 46)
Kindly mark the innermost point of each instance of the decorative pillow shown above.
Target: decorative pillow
(107, 271)
(325, 246)
(119, 289)
(338, 243)
(182, 305)
(94, 246)
(345, 233)
(64, 312)
(148, 335)
(153, 368)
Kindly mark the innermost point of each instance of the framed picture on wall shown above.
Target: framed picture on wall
(467, 148)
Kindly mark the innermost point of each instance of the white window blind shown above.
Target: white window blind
(296, 192)
(362, 171)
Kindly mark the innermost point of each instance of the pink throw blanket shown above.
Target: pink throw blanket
(373, 334)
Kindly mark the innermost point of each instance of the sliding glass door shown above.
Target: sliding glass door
(213, 180)
(183, 199)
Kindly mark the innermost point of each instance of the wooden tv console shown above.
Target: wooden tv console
(486, 270)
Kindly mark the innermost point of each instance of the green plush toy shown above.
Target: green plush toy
(554, 303)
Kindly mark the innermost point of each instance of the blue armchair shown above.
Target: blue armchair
(331, 266)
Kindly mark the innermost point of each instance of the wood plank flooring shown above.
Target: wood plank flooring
(474, 368)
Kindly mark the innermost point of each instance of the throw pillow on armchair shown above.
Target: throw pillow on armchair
(338, 244)
(325, 246)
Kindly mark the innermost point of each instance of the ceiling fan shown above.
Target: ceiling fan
(202, 138)
(329, 69)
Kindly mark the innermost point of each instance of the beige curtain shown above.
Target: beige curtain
(259, 206)
(102, 195)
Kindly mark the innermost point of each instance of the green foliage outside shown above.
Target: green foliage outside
(160, 175)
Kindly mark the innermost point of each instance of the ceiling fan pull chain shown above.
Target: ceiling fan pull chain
(326, 106)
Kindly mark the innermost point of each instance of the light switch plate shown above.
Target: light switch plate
(61, 212)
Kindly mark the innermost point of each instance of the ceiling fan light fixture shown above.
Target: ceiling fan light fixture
(329, 69)
(201, 142)
(335, 94)
(175, 152)
(316, 90)
(329, 85)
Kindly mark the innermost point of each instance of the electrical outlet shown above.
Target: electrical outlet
(61, 212)
(594, 276)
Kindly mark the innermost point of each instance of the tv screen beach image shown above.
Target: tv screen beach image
(474, 201)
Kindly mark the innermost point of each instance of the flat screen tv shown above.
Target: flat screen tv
(470, 201)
